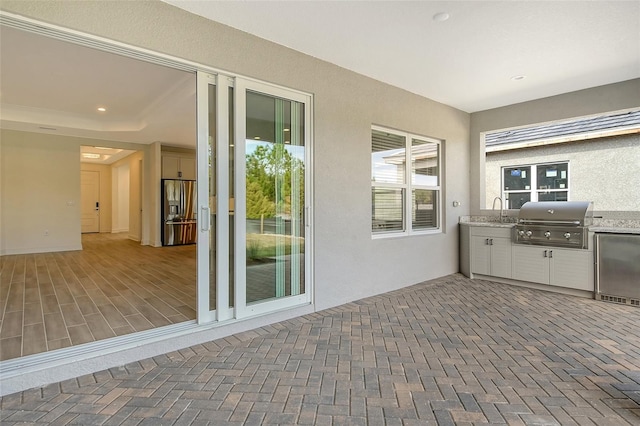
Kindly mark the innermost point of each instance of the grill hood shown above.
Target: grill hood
(575, 213)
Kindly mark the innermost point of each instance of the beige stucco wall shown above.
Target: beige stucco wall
(605, 171)
(348, 263)
(613, 97)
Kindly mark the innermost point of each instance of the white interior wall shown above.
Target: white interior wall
(40, 175)
(135, 196)
(130, 208)
(120, 198)
(597, 100)
(40, 193)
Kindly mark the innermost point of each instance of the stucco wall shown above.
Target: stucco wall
(603, 99)
(348, 263)
(605, 171)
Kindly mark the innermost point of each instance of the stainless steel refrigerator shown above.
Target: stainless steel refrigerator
(618, 268)
(179, 212)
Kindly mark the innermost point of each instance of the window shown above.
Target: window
(404, 200)
(537, 182)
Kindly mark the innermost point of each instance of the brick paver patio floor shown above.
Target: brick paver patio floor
(448, 351)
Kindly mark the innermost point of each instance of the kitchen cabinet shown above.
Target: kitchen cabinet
(176, 166)
(571, 268)
(490, 251)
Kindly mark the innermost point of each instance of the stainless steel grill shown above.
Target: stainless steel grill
(554, 223)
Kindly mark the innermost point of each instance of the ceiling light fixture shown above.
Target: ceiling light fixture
(518, 77)
(101, 147)
(102, 109)
(441, 17)
(285, 130)
(91, 155)
(257, 138)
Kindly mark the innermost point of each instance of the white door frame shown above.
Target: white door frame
(242, 309)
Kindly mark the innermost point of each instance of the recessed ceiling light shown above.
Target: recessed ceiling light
(102, 109)
(101, 147)
(91, 155)
(441, 17)
(518, 77)
(257, 138)
(285, 130)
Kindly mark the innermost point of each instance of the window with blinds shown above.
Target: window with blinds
(404, 200)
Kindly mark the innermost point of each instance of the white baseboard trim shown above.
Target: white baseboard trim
(35, 250)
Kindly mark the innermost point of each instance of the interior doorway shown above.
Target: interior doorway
(97, 119)
(90, 201)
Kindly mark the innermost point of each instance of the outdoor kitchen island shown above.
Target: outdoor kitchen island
(550, 247)
(487, 251)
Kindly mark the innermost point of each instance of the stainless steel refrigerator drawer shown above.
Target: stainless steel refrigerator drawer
(618, 268)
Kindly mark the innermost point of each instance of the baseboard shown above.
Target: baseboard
(7, 252)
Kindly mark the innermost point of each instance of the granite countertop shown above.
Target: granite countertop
(489, 224)
(618, 226)
(615, 230)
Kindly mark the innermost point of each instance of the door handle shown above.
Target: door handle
(97, 205)
(205, 221)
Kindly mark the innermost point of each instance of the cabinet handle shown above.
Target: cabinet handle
(550, 253)
(491, 242)
(486, 241)
(545, 254)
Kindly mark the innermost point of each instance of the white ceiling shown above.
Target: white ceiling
(466, 61)
(53, 86)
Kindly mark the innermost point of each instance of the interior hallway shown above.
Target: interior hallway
(449, 351)
(114, 286)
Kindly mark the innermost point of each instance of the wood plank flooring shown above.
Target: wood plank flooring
(113, 287)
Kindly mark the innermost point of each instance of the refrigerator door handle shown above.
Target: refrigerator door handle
(205, 224)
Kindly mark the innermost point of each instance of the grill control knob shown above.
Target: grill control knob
(547, 234)
(529, 233)
(567, 235)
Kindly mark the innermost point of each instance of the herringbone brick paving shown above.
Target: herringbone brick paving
(448, 351)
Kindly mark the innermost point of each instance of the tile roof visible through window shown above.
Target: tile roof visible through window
(566, 131)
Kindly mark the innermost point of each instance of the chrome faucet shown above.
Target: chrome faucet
(501, 209)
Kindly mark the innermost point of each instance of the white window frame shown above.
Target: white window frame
(533, 190)
(408, 186)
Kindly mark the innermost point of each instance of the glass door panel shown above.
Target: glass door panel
(212, 161)
(215, 148)
(275, 188)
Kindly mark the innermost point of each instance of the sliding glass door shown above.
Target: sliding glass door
(254, 163)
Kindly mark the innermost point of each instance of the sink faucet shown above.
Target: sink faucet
(501, 209)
